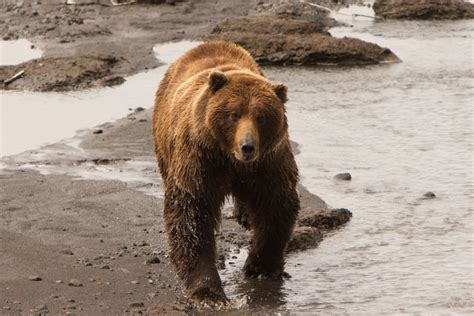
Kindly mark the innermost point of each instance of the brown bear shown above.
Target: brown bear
(220, 129)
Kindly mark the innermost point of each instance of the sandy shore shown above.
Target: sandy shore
(81, 229)
(60, 223)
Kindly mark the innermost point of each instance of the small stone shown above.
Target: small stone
(135, 282)
(75, 283)
(142, 120)
(70, 300)
(67, 252)
(97, 131)
(346, 176)
(34, 278)
(105, 267)
(138, 109)
(136, 305)
(429, 195)
(7, 308)
(42, 307)
(58, 281)
(153, 260)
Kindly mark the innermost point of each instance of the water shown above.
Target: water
(17, 51)
(400, 130)
(54, 116)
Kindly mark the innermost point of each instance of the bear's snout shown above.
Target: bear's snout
(246, 141)
(248, 149)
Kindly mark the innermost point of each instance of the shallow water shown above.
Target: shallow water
(400, 130)
(17, 51)
(54, 116)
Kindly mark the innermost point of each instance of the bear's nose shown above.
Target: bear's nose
(248, 149)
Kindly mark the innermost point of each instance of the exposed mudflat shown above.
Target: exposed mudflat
(87, 45)
(93, 213)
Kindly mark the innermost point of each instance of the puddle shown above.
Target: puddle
(33, 119)
(17, 51)
(361, 14)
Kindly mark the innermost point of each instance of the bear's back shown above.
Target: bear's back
(205, 56)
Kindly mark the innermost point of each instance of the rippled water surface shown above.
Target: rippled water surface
(400, 130)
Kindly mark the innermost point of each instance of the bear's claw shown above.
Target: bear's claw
(214, 298)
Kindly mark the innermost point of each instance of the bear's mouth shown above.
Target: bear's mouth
(246, 158)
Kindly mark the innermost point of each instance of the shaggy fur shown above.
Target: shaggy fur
(212, 102)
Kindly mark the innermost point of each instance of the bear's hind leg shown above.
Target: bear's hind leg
(241, 214)
(272, 223)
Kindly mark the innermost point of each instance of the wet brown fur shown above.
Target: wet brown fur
(209, 100)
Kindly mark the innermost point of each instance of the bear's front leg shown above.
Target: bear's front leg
(190, 224)
(272, 219)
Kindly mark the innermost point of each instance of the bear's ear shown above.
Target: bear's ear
(216, 80)
(281, 91)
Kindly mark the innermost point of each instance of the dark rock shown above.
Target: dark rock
(136, 305)
(304, 238)
(138, 109)
(346, 176)
(67, 252)
(153, 259)
(112, 81)
(97, 131)
(424, 10)
(34, 278)
(429, 195)
(285, 41)
(326, 219)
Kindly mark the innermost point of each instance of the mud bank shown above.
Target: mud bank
(93, 213)
(277, 41)
(76, 39)
(63, 73)
(424, 10)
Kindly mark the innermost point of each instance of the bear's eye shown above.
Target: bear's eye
(234, 116)
(260, 119)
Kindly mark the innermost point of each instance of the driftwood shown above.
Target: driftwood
(336, 12)
(14, 77)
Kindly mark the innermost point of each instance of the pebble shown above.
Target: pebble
(153, 259)
(105, 267)
(74, 282)
(138, 109)
(346, 176)
(97, 131)
(42, 307)
(429, 195)
(34, 278)
(58, 281)
(136, 305)
(135, 282)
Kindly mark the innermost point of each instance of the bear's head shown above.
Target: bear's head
(245, 113)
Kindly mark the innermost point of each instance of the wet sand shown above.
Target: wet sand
(90, 208)
(60, 225)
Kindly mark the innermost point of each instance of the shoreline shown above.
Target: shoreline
(94, 209)
(90, 210)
